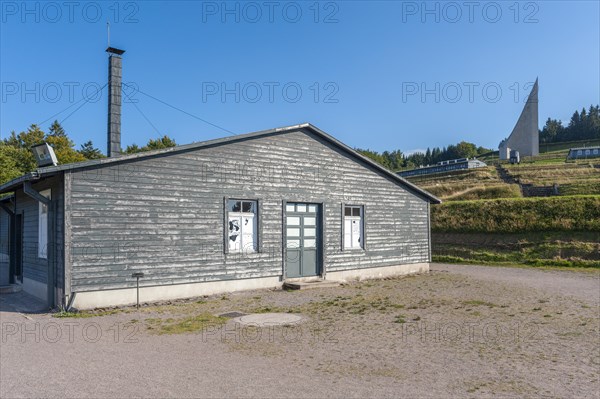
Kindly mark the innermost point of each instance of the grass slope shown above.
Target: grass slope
(485, 220)
(566, 249)
(576, 213)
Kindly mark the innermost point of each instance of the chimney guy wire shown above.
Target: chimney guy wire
(69, 107)
(180, 110)
(78, 108)
(140, 111)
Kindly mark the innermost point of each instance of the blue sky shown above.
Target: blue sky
(375, 74)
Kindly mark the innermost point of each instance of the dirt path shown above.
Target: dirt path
(583, 285)
(461, 192)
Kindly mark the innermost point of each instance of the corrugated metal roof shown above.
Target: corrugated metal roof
(52, 170)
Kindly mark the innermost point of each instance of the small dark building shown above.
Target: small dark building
(243, 212)
(584, 153)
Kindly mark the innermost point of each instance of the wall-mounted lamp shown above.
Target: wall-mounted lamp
(44, 155)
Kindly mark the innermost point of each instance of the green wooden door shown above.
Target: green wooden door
(303, 240)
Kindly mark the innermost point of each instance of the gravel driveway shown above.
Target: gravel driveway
(459, 331)
(577, 284)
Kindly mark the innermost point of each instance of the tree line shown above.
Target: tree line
(396, 160)
(584, 125)
(17, 159)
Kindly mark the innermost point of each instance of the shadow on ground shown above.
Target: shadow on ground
(21, 302)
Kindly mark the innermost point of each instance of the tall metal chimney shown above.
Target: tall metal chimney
(115, 75)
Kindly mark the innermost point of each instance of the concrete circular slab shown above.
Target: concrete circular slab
(268, 319)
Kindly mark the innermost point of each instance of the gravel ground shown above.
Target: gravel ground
(459, 331)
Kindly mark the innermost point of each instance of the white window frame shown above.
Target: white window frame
(43, 225)
(348, 239)
(246, 221)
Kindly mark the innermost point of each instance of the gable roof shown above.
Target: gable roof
(52, 170)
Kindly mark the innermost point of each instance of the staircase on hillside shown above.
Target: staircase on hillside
(505, 176)
(528, 190)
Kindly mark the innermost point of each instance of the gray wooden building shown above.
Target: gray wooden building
(242, 212)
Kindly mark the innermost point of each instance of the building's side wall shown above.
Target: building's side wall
(164, 216)
(584, 153)
(430, 170)
(35, 269)
(4, 247)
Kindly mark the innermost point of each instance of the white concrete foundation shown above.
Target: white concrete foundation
(127, 296)
(378, 272)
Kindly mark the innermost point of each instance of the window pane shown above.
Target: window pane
(356, 211)
(290, 207)
(310, 221)
(347, 233)
(310, 243)
(312, 208)
(356, 232)
(43, 235)
(234, 206)
(248, 225)
(235, 233)
(300, 207)
(248, 206)
(347, 211)
(293, 221)
(43, 226)
(249, 235)
(293, 243)
(293, 232)
(310, 232)
(248, 244)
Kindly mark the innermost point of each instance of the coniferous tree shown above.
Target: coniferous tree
(153, 144)
(56, 130)
(160, 143)
(63, 146)
(89, 151)
(583, 125)
(132, 149)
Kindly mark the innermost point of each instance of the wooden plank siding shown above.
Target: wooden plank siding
(4, 247)
(163, 215)
(34, 267)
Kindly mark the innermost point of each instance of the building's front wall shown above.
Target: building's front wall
(164, 216)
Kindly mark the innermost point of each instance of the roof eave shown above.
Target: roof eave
(415, 189)
(15, 183)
